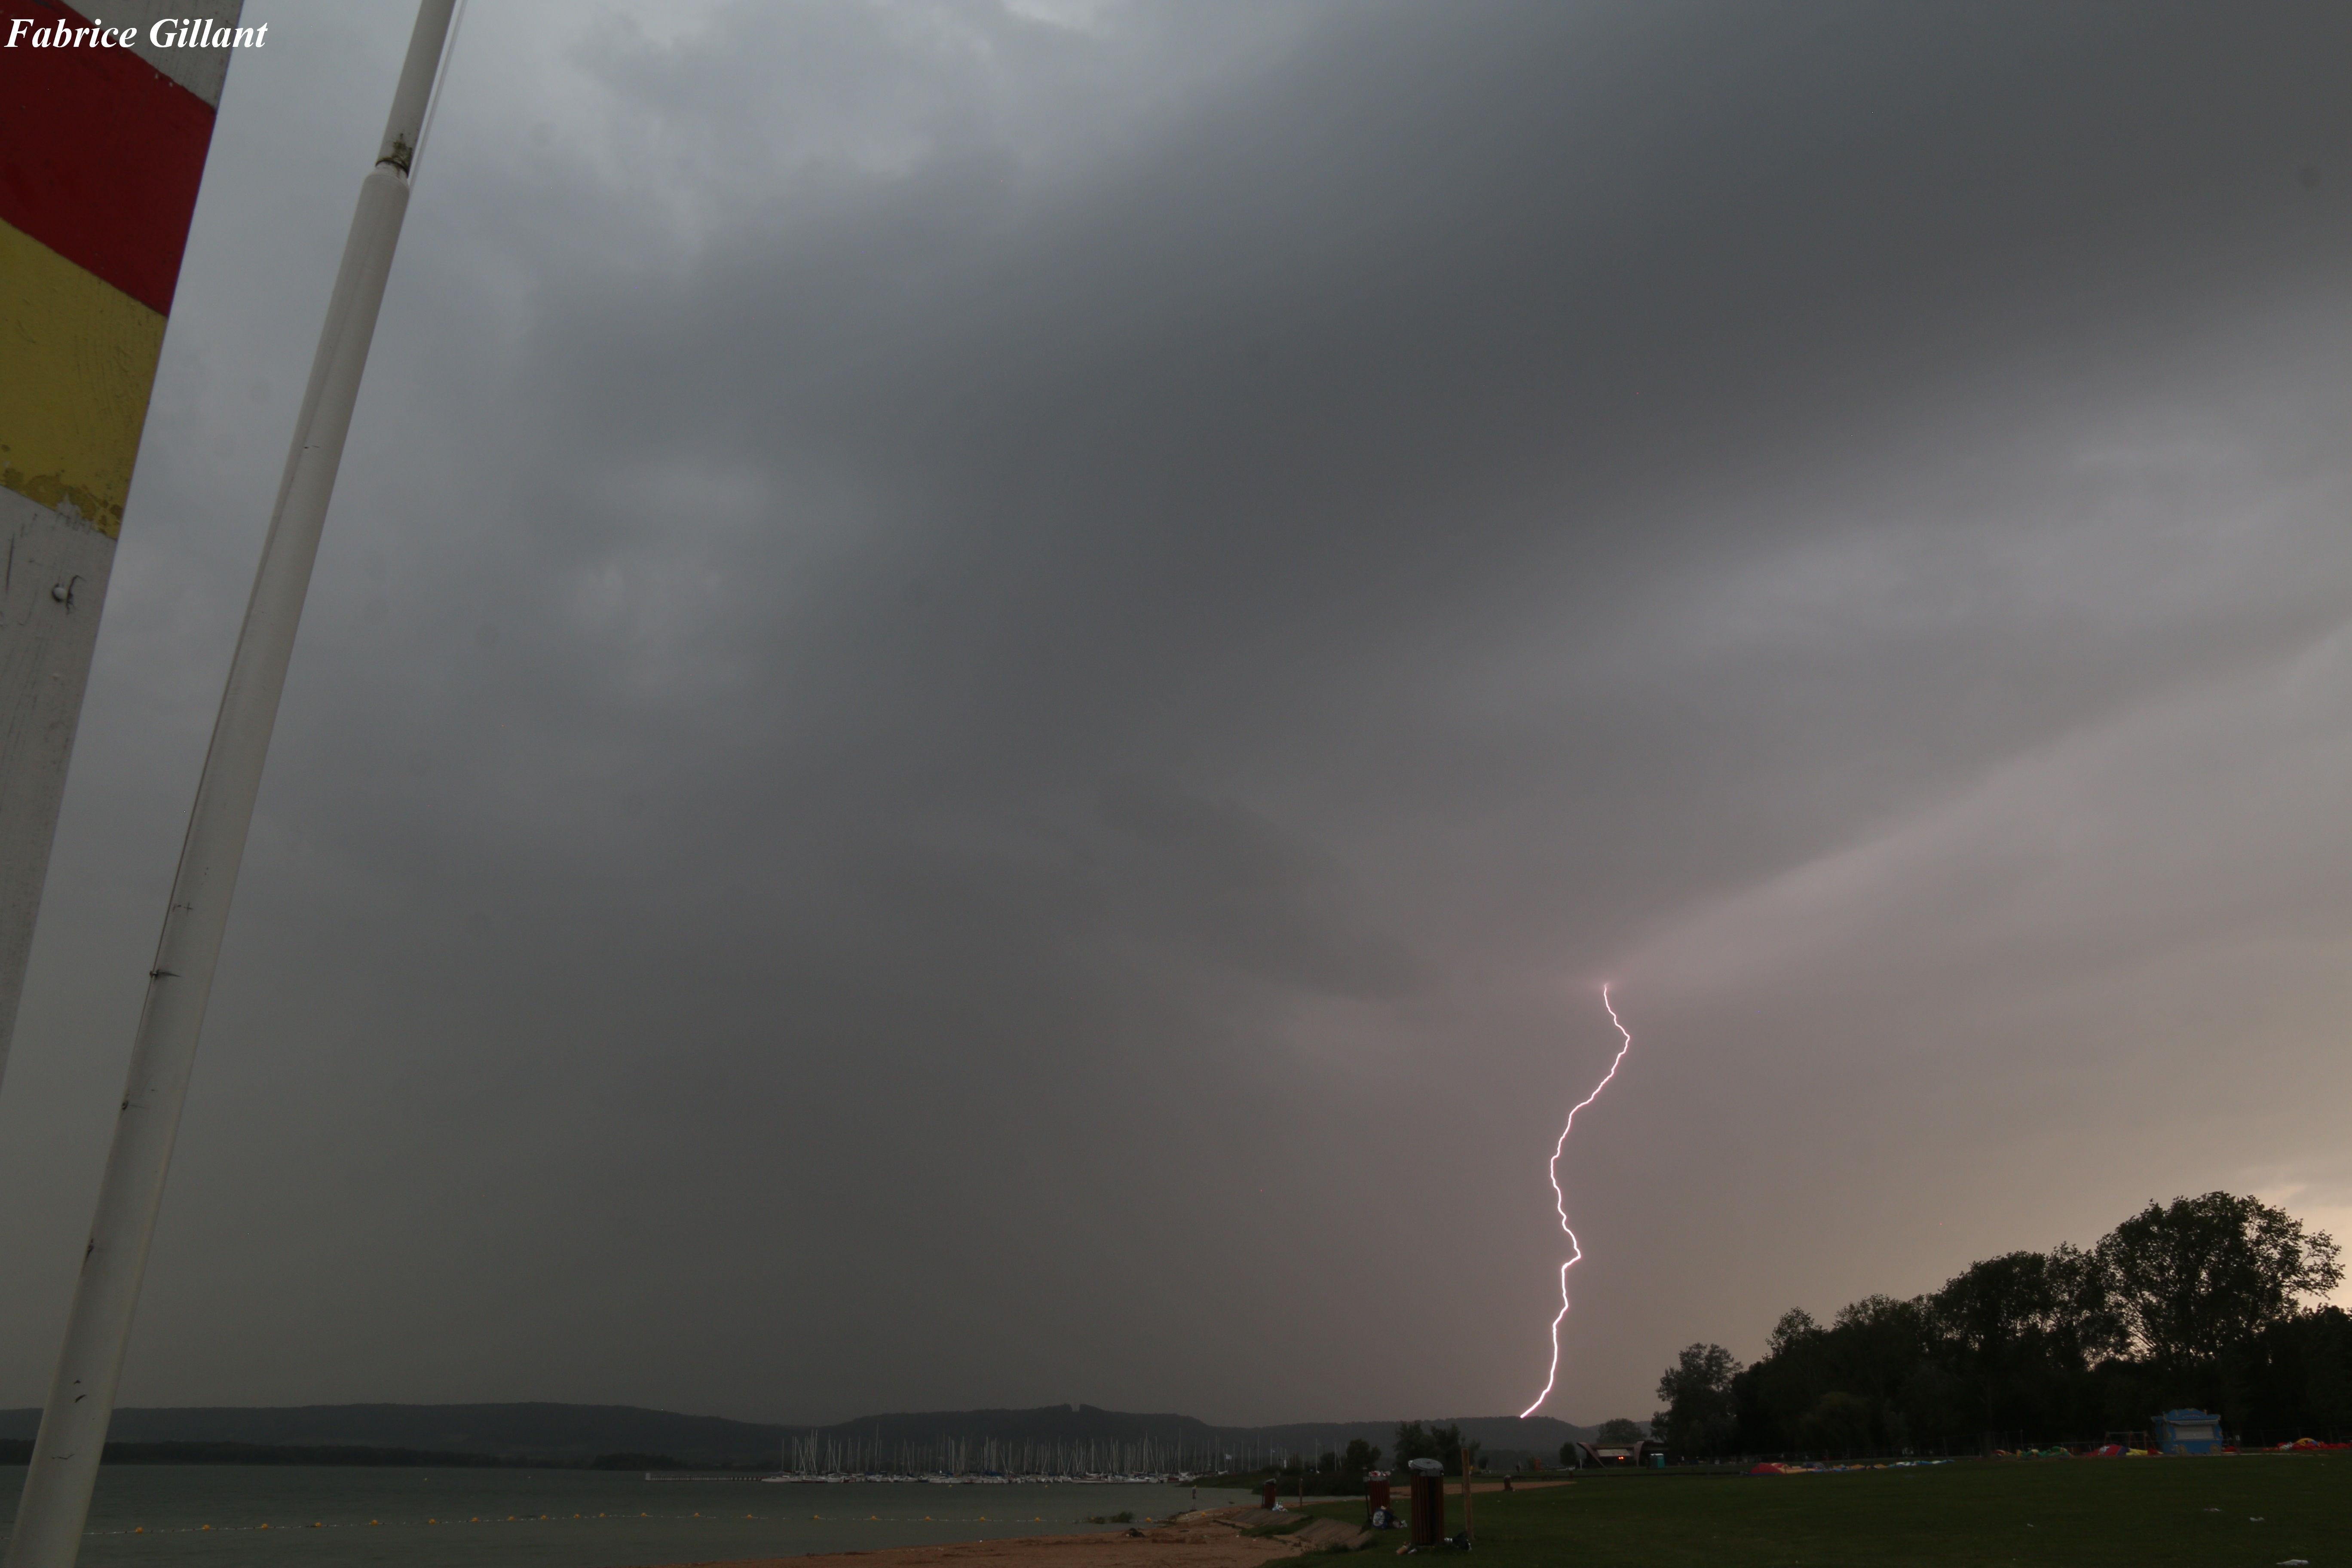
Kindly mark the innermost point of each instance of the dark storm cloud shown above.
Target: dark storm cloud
(986, 691)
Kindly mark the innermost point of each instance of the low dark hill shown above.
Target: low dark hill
(571, 1432)
(19, 1451)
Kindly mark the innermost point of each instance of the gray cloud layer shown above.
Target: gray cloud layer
(990, 687)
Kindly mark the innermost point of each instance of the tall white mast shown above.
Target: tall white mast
(56, 1505)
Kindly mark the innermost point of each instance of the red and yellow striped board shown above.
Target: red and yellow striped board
(100, 155)
(105, 122)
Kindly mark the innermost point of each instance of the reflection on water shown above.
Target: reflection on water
(193, 1516)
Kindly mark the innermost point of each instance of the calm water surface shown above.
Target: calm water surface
(155, 1516)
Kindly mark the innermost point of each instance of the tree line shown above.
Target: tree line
(2202, 1302)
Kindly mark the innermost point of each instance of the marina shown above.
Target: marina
(943, 1478)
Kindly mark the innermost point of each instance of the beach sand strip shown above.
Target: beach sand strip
(1210, 1539)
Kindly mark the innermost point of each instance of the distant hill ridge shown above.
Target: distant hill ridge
(579, 1433)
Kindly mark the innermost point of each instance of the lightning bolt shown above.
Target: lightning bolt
(1559, 1202)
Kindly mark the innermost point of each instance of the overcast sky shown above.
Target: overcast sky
(991, 685)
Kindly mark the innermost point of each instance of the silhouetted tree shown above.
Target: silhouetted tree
(1772, 1395)
(1699, 1416)
(2021, 1332)
(1838, 1423)
(2195, 1302)
(2296, 1375)
(2197, 1276)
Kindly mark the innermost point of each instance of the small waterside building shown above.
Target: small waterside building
(2188, 1432)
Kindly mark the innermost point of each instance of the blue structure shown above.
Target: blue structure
(2188, 1432)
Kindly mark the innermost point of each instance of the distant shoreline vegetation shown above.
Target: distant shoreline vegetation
(19, 1451)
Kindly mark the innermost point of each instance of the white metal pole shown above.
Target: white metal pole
(50, 1520)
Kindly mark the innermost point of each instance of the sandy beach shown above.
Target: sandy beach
(1173, 1548)
(1210, 1539)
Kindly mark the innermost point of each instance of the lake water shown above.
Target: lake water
(196, 1516)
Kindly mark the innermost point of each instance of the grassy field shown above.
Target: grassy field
(2224, 1512)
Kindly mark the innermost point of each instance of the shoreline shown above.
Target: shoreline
(1172, 1547)
(1213, 1538)
(1210, 1538)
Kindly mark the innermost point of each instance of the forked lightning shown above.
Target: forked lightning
(1559, 1202)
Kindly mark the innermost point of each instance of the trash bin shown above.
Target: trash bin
(1428, 1502)
(1376, 1498)
(1273, 1491)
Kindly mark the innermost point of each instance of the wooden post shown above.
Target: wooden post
(1466, 1491)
